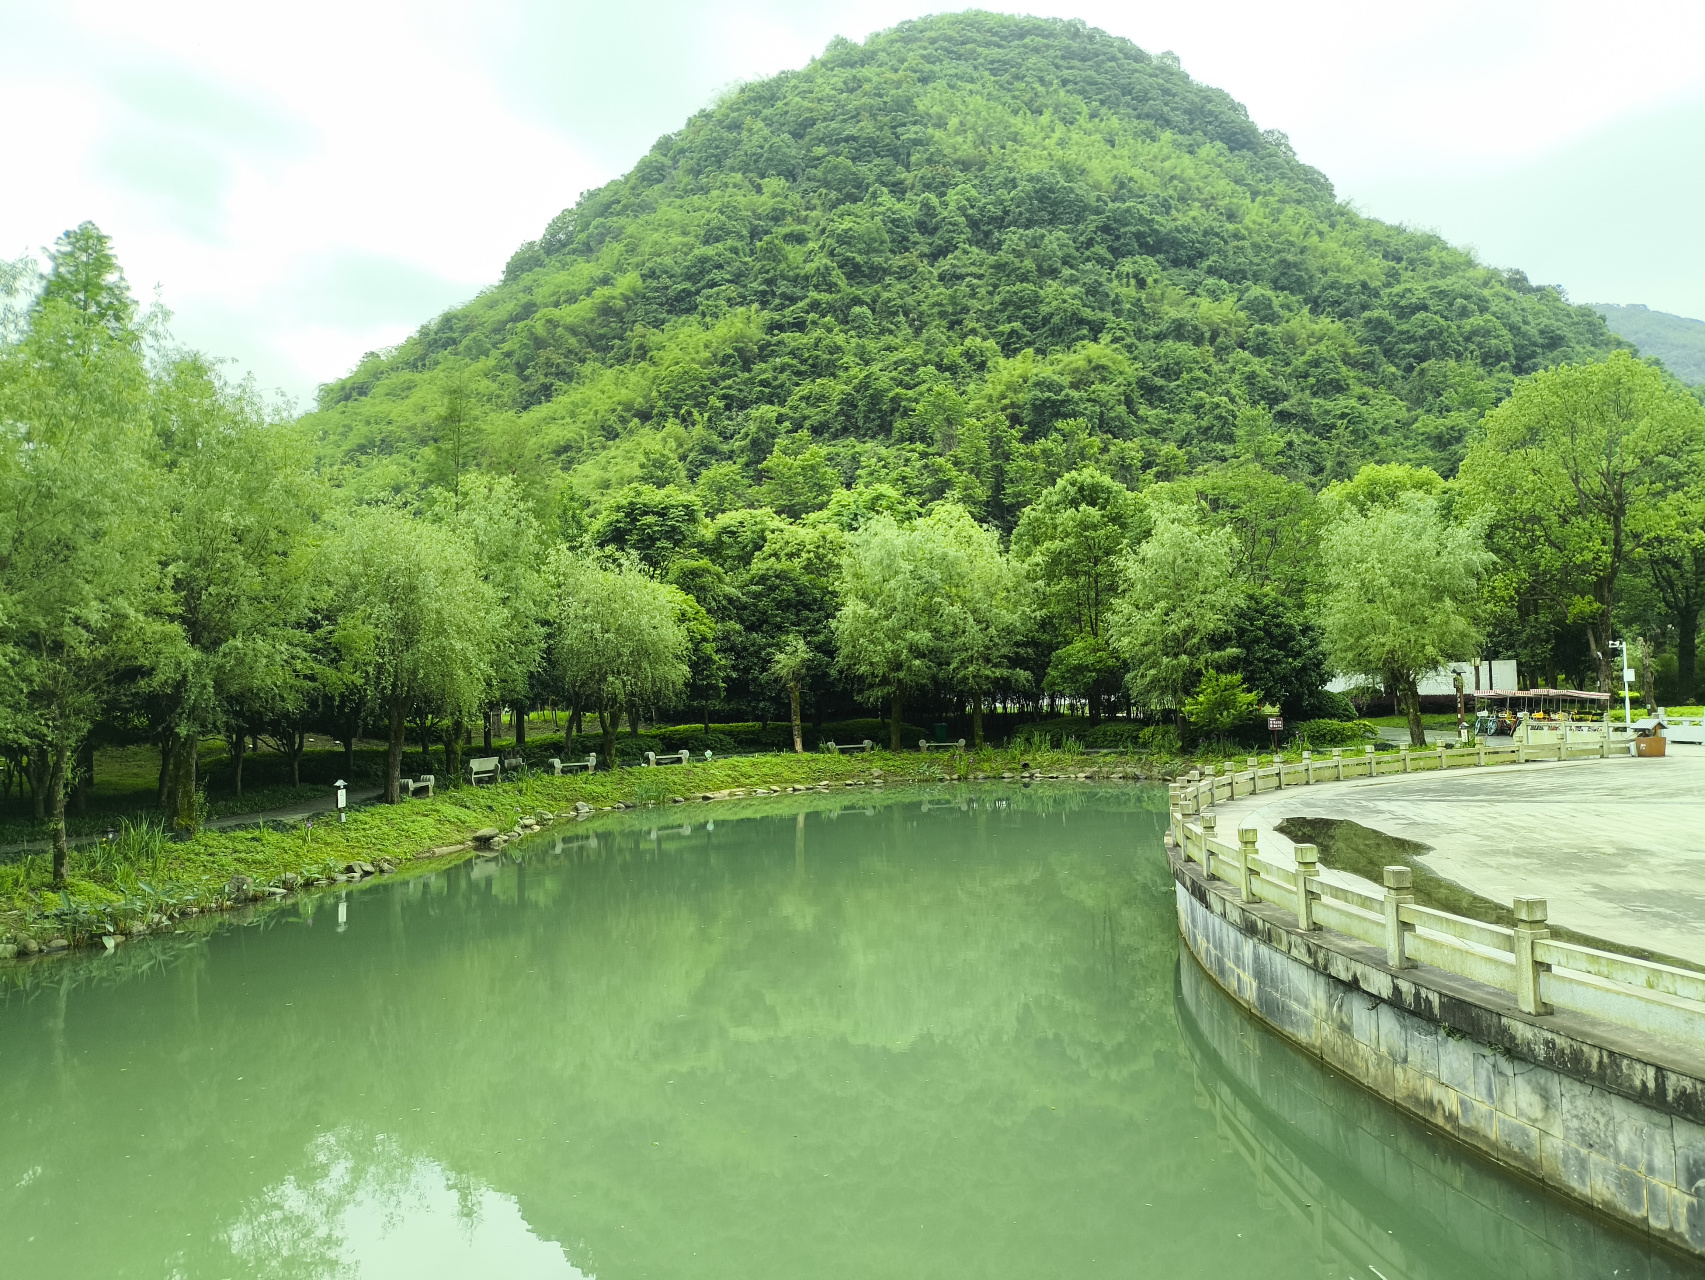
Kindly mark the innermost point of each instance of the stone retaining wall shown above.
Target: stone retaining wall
(1595, 1113)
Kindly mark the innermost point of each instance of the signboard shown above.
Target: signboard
(1276, 724)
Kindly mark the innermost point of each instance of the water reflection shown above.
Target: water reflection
(1376, 1192)
(367, 1209)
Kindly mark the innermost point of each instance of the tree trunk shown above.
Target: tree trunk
(894, 724)
(239, 751)
(36, 771)
(1412, 709)
(607, 728)
(486, 717)
(184, 762)
(298, 744)
(977, 721)
(165, 771)
(633, 722)
(798, 740)
(573, 727)
(394, 754)
(453, 751)
(707, 715)
(1646, 678)
(85, 775)
(425, 744)
(521, 714)
(56, 815)
(1686, 656)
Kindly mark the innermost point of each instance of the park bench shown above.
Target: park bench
(924, 744)
(483, 769)
(588, 765)
(412, 787)
(514, 764)
(848, 748)
(652, 759)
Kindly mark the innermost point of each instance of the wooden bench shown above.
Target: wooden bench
(848, 748)
(924, 744)
(588, 765)
(483, 769)
(412, 787)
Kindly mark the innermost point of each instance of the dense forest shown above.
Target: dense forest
(992, 364)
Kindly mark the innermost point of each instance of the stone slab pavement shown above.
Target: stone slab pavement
(1616, 847)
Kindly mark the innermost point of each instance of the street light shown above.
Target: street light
(1621, 646)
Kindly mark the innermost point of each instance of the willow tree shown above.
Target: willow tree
(78, 564)
(1402, 587)
(616, 638)
(1173, 623)
(413, 616)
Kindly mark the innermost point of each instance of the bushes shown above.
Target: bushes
(1333, 733)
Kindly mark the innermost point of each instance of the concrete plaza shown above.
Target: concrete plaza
(1617, 847)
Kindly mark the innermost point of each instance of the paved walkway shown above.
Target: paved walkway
(1617, 847)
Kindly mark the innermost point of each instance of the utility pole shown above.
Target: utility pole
(1461, 725)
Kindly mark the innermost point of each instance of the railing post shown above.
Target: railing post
(1368, 751)
(1245, 851)
(1175, 800)
(1563, 746)
(1530, 928)
(1443, 762)
(1405, 750)
(1278, 771)
(1338, 762)
(1209, 822)
(1308, 766)
(1480, 752)
(1604, 736)
(1308, 868)
(1399, 886)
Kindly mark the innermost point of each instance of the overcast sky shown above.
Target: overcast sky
(306, 182)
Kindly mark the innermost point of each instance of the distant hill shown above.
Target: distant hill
(1676, 340)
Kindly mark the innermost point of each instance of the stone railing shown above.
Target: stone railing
(1541, 972)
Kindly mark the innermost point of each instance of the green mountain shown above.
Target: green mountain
(962, 258)
(1676, 340)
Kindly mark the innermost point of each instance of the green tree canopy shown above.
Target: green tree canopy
(1402, 587)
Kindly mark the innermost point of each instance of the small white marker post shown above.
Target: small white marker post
(342, 799)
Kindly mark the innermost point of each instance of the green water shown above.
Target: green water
(904, 1040)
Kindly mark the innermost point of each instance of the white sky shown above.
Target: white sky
(310, 181)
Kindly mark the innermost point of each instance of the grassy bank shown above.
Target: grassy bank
(143, 882)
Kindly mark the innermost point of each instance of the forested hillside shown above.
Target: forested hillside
(963, 259)
(1676, 340)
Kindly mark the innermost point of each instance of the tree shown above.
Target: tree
(1220, 704)
(1072, 542)
(1401, 589)
(891, 629)
(1280, 652)
(1672, 561)
(238, 507)
(78, 565)
(789, 665)
(650, 524)
(1172, 624)
(1574, 473)
(503, 535)
(415, 617)
(616, 639)
(989, 610)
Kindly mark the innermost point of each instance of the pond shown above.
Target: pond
(931, 1033)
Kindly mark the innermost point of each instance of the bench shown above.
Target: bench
(483, 769)
(514, 764)
(848, 748)
(924, 744)
(652, 759)
(412, 787)
(588, 765)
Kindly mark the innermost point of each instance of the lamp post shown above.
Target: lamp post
(1621, 646)
(1461, 727)
(342, 800)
